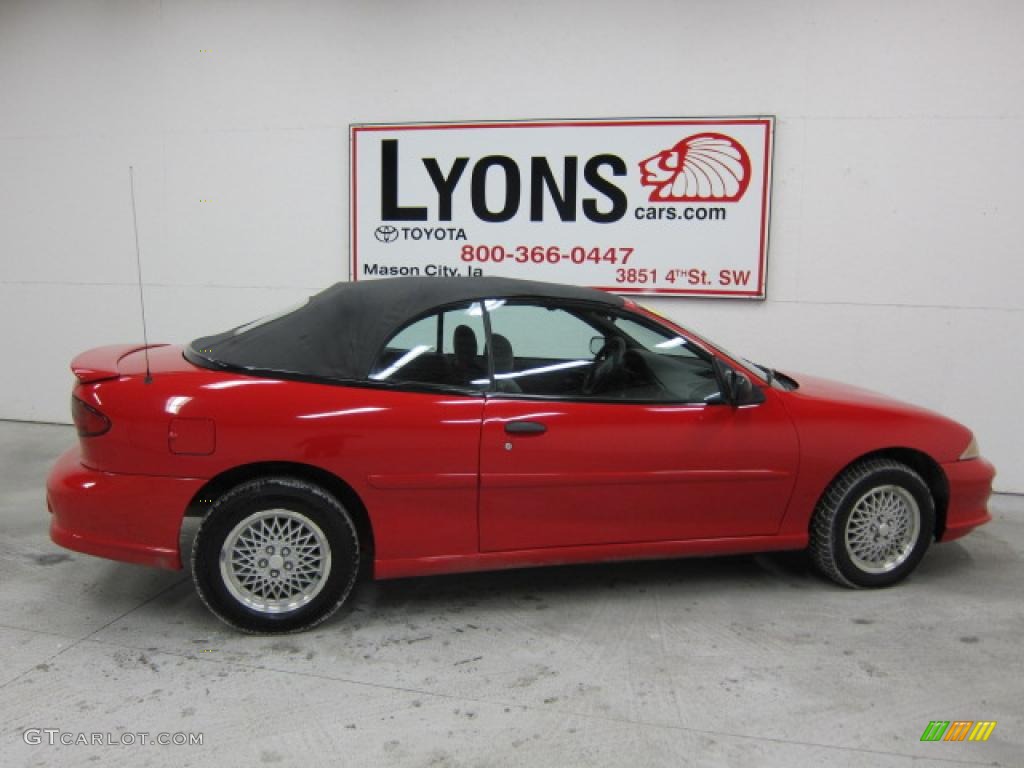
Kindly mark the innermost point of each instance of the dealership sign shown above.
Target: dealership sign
(668, 206)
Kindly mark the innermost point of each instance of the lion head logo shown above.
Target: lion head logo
(700, 168)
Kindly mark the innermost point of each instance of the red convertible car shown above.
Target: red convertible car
(426, 425)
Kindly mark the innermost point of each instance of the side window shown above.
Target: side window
(545, 333)
(445, 348)
(659, 341)
(541, 350)
(676, 369)
(580, 353)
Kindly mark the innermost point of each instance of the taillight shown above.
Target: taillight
(88, 421)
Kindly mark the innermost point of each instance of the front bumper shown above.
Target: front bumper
(134, 518)
(970, 486)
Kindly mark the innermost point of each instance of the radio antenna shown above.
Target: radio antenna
(138, 271)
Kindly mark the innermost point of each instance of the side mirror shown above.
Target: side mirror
(736, 387)
(596, 344)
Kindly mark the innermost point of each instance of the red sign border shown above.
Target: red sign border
(767, 121)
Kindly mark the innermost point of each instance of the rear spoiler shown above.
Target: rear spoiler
(100, 363)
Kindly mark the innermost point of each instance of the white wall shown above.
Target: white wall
(895, 258)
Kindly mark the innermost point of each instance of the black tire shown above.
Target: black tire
(305, 523)
(843, 551)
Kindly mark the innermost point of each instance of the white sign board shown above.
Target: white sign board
(667, 207)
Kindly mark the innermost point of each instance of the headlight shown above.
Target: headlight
(971, 451)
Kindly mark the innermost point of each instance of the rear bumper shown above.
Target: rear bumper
(970, 486)
(134, 518)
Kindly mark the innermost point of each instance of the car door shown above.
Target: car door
(652, 454)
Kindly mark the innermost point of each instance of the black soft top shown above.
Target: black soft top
(338, 332)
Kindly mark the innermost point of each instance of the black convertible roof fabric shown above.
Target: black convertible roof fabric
(338, 333)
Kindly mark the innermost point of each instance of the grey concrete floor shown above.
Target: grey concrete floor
(743, 661)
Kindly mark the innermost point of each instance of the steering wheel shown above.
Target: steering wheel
(607, 360)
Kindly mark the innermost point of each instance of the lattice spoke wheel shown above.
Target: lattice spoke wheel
(275, 561)
(873, 525)
(275, 554)
(882, 528)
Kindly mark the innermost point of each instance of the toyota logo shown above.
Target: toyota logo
(386, 233)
